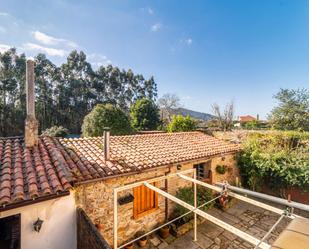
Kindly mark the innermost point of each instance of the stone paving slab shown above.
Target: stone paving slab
(185, 241)
(250, 219)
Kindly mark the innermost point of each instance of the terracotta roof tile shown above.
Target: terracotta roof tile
(55, 164)
(139, 152)
(246, 118)
(29, 173)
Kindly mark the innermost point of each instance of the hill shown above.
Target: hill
(193, 114)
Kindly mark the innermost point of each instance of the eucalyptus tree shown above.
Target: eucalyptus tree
(77, 97)
(12, 71)
(65, 94)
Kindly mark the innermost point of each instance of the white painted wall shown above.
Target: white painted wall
(59, 227)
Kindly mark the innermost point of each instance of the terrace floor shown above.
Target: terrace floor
(248, 218)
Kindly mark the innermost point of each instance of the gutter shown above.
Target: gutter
(33, 201)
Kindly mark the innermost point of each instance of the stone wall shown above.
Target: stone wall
(87, 234)
(231, 173)
(96, 199)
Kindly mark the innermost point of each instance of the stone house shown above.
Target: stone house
(58, 175)
(44, 181)
(135, 158)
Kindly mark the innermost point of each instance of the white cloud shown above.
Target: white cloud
(98, 60)
(47, 50)
(2, 29)
(188, 97)
(156, 27)
(4, 47)
(150, 11)
(50, 40)
(4, 14)
(188, 41)
(147, 10)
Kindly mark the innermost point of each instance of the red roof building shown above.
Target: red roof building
(247, 118)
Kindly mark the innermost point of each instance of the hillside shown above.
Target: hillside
(193, 114)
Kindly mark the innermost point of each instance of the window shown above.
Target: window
(145, 201)
(203, 171)
(10, 232)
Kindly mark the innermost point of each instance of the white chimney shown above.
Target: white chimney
(106, 143)
(32, 125)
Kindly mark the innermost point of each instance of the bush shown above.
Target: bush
(181, 123)
(278, 160)
(252, 125)
(144, 115)
(56, 131)
(187, 195)
(106, 115)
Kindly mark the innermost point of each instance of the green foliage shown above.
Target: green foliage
(66, 93)
(56, 131)
(181, 123)
(106, 115)
(278, 160)
(187, 194)
(252, 125)
(292, 113)
(144, 115)
(221, 169)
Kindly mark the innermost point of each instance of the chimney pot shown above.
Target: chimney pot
(106, 144)
(31, 126)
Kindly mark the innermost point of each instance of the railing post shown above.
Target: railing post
(195, 206)
(115, 219)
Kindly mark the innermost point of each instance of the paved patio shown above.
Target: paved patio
(248, 218)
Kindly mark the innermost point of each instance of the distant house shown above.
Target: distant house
(242, 120)
(245, 119)
(44, 181)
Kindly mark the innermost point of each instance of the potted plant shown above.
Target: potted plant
(221, 169)
(99, 226)
(130, 246)
(142, 242)
(164, 232)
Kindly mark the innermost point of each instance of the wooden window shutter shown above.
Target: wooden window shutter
(145, 201)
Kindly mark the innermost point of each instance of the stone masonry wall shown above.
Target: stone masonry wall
(87, 234)
(232, 172)
(97, 200)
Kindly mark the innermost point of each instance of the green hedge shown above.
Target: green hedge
(278, 160)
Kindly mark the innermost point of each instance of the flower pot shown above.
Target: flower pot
(164, 232)
(142, 242)
(99, 226)
(130, 246)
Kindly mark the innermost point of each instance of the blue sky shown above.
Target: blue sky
(203, 51)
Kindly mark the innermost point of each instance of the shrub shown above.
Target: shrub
(187, 194)
(181, 123)
(278, 160)
(106, 115)
(56, 131)
(144, 115)
(252, 125)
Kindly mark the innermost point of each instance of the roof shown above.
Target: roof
(27, 174)
(56, 164)
(246, 118)
(139, 152)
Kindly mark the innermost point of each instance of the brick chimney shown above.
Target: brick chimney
(32, 125)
